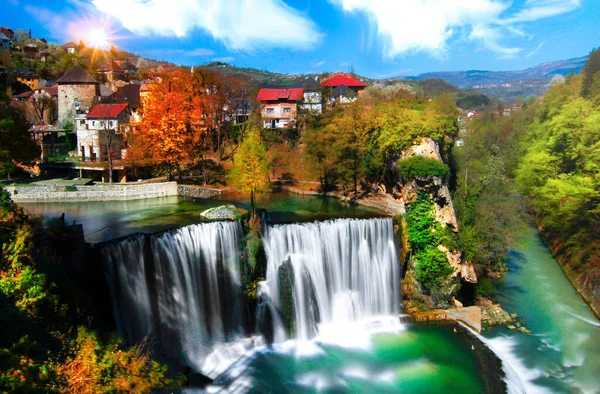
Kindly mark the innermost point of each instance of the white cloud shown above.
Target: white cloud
(536, 50)
(201, 52)
(318, 64)
(411, 26)
(345, 65)
(244, 25)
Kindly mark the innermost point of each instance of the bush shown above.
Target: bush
(419, 166)
(432, 267)
(92, 367)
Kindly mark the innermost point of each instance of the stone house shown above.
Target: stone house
(94, 129)
(279, 106)
(76, 93)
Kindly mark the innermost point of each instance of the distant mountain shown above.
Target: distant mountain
(477, 78)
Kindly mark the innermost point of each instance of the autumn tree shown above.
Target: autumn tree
(250, 173)
(166, 130)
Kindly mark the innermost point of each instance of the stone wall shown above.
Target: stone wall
(70, 95)
(199, 192)
(116, 192)
(106, 192)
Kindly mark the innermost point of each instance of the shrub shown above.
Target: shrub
(432, 267)
(92, 367)
(419, 166)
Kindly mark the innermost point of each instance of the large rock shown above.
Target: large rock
(220, 212)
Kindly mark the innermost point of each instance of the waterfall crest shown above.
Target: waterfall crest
(336, 271)
(182, 288)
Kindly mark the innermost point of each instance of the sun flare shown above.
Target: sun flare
(98, 38)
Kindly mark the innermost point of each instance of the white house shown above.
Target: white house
(103, 124)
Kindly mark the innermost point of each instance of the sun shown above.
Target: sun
(98, 38)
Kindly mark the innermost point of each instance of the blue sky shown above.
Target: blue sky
(377, 38)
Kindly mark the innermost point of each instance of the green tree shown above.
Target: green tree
(250, 173)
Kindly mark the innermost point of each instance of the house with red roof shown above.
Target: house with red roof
(343, 88)
(279, 106)
(102, 125)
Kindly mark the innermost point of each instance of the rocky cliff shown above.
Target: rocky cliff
(407, 191)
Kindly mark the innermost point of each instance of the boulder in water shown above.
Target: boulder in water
(220, 212)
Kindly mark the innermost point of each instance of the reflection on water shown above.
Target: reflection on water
(103, 221)
(562, 354)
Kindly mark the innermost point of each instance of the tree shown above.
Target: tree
(250, 173)
(590, 71)
(42, 101)
(166, 130)
(16, 144)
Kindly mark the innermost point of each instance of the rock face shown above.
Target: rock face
(220, 212)
(407, 191)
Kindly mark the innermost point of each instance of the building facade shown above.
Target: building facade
(76, 93)
(100, 129)
(279, 107)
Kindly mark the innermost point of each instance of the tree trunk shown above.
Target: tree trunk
(252, 203)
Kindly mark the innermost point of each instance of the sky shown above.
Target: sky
(374, 38)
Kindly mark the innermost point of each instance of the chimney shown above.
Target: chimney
(29, 33)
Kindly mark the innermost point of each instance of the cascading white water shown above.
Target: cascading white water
(337, 271)
(182, 288)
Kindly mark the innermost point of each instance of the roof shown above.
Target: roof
(70, 44)
(128, 94)
(342, 90)
(291, 94)
(24, 73)
(341, 79)
(103, 111)
(109, 66)
(76, 75)
(3, 36)
(7, 32)
(51, 90)
(308, 83)
(126, 64)
(25, 94)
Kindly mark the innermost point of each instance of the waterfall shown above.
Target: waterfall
(336, 271)
(181, 288)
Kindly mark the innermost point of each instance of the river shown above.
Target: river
(562, 353)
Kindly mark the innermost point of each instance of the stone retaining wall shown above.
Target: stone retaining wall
(116, 192)
(199, 192)
(105, 192)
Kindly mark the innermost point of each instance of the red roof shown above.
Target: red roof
(341, 79)
(290, 94)
(103, 111)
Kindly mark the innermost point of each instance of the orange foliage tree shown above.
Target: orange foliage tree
(187, 119)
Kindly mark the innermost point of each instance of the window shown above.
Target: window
(287, 110)
(270, 111)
